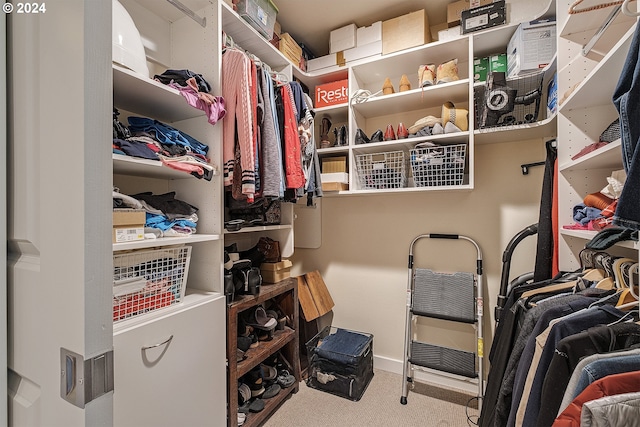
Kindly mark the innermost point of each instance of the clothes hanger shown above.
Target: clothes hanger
(628, 297)
(573, 10)
(627, 11)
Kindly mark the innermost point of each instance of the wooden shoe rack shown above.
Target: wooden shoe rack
(286, 341)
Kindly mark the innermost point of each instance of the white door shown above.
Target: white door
(59, 220)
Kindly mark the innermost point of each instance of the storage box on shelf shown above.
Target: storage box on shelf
(405, 31)
(261, 14)
(438, 166)
(285, 342)
(148, 280)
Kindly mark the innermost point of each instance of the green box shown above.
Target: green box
(498, 63)
(480, 69)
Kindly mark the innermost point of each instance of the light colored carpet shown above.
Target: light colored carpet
(427, 405)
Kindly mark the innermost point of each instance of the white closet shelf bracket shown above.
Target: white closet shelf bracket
(608, 21)
(190, 13)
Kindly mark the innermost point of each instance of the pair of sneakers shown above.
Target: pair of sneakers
(446, 72)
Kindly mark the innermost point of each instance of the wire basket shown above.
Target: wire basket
(508, 101)
(147, 280)
(436, 166)
(381, 170)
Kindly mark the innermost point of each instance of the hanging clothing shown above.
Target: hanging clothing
(238, 122)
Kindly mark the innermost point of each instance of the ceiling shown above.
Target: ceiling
(311, 21)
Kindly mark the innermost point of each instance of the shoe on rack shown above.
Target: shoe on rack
(377, 136)
(285, 379)
(387, 87)
(447, 72)
(405, 84)
(271, 391)
(270, 372)
(402, 131)
(325, 125)
(253, 405)
(426, 75)
(344, 138)
(456, 116)
(389, 134)
(258, 319)
(361, 137)
(255, 382)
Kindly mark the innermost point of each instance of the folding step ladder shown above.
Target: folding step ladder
(455, 297)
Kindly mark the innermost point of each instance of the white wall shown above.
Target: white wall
(365, 246)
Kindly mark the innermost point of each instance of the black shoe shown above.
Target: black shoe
(343, 136)
(361, 137)
(377, 136)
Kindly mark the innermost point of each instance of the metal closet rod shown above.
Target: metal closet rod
(607, 22)
(190, 13)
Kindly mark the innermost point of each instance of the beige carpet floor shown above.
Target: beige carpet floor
(427, 405)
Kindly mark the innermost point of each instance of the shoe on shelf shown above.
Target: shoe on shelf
(244, 393)
(271, 391)
(269, 372)
(259, 320)
(405, 84)
(457, 116)
(426, 75)
(377, 136)
(402, 131)
(241, 418)
(253, 405)
(387, 87)
(447, 72)
(255, 382)
(389, 134)
(361, 137)
(344, 138)
(285, 379)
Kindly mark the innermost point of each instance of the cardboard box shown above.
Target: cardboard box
(405, 31)
(274, 272)
(370, 34)
(498, 63)
(483, 17)
(342, 38)
(325, 61)
(334, 186)
(364, 51)
(335, 181)
(333, 93)
(289, 48)
(454, 10)
(480, 69)
(450, 33)
(531, 47)
(334, 164)
(341, 177)
(128, 225)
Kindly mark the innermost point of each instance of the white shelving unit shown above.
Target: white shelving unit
(587, 109)
(150, 349)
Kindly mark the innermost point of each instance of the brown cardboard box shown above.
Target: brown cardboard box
(274, 272)
(405, 31)
(454, 10)
(334, 164)
(128, 225)
(290, 48)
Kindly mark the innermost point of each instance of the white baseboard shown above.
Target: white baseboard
(466, 385)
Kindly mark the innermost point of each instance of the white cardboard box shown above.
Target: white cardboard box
(531, 47)
(342, 177)
(325, 61)
(370, 34)
(450, 33)
(342, 38)
(364, 51)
